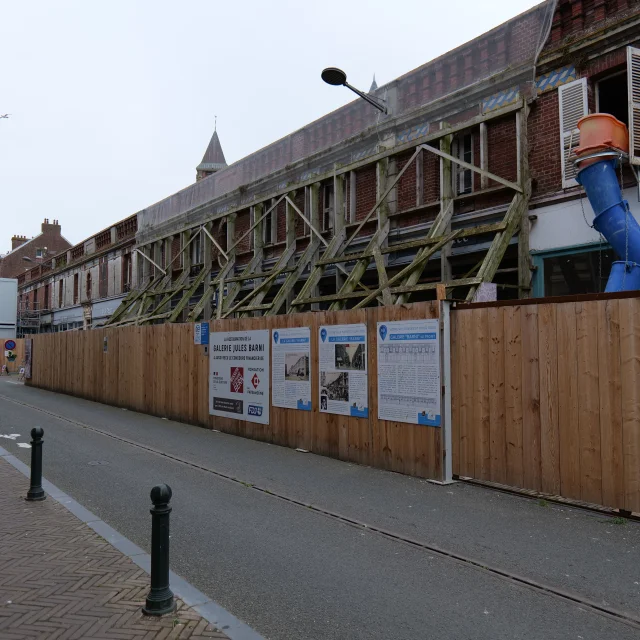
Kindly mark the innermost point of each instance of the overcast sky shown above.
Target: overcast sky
(112, 103)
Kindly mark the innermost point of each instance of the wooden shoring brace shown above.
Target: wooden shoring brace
(186, 296)
(382, 276)
(360, 268)
(472, 167)
(318, 270)
(417, 262)
(437, 229)
(126, 312)
(501, 240)
(290, 281)
(263, 288)
(146, 257)
(195, 313)
(171, 290)
(234, 288)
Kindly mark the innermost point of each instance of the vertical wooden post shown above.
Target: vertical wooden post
(258, 242)
(338, 217)
(420, 179)
(313, 213)
(524, 256)
(353, 194)
(382, 176)
(484, 155)
(291, 238)
(446, 195)
(186, 255)
(207, 251)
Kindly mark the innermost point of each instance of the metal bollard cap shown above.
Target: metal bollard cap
(161, 494)
(37, 433)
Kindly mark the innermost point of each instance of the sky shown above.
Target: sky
(112, 104)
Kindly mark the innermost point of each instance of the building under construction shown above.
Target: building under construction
(462, 174)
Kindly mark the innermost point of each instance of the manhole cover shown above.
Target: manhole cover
(95, 463)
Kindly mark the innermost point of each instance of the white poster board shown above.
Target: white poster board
(409, 371)
(239, 375)
(290, 368)
(343, 369)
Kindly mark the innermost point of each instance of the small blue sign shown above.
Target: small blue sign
(323, 334)
(383, 331)
(201, 333)
(276, 335)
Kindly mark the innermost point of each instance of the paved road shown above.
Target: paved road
(292, 572)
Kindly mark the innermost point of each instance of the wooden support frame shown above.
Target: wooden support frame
(322, 252)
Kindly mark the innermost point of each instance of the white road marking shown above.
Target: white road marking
(11, 436)
(24, 445)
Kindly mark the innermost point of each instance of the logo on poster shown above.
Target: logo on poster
(383, 331)
(255, 381)
(254, 410)
(323, 334)
(276, 335)
(237, 379)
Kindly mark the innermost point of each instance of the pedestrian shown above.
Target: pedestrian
(5, 369)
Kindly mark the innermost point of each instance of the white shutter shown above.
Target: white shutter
(633, 93)
(572, 98)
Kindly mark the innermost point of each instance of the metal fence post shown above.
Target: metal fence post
(160, 599)
(36, 492)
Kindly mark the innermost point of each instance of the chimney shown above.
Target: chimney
(53, 227)
(16, 241)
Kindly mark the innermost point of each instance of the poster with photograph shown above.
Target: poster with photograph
(409, 372)
(343, 369)
(290, 368)
(239, 375)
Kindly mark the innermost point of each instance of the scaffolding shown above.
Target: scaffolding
(292, 282)
(29, 318)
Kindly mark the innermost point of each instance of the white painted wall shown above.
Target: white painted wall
(562, 225)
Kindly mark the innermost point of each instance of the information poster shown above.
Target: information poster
(239, 375)
(409, 372)
(343, 370)
(290, 368)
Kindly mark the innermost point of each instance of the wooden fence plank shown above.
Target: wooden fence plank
(497, 424)
(531, 398)
(588, 402)
(480, 381)
(568, 418)
(465, 394)
(549, 435)
(630, 377)
(610, 396)
(513, 395)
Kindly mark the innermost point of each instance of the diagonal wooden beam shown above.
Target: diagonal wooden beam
(184, 301)
(472, 167)
(410, 267)
(146, 257)
(360, 267)
(263, 288)
(382, 276)
(293, 277)
(318, 270)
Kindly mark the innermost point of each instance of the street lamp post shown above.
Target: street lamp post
(337, 77)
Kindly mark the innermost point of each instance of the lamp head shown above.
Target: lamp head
(334, 76)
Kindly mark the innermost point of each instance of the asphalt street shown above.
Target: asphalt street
(291, 571)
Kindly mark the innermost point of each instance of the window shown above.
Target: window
(47, 304)
(564, 273)
(327, 207)
(611, 96)
(267, 227)
(60, 299)
(88, 285)
(572, 99)
(196, 250)
(463, 149)
(75, 289)
(126, 272)
(39, 253)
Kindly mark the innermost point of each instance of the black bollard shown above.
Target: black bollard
(36, 492)
(160, 599)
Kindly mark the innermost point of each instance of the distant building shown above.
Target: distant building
(81, 287)
(26, 253)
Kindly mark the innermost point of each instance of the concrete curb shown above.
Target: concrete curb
(192, 597)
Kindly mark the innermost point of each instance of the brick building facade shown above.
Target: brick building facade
(79, 287)
(26, 253)
(473, 157)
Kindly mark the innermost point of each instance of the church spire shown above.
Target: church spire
(213, 159)
(374, 84)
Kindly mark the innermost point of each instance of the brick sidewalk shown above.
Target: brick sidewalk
(59, 579)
